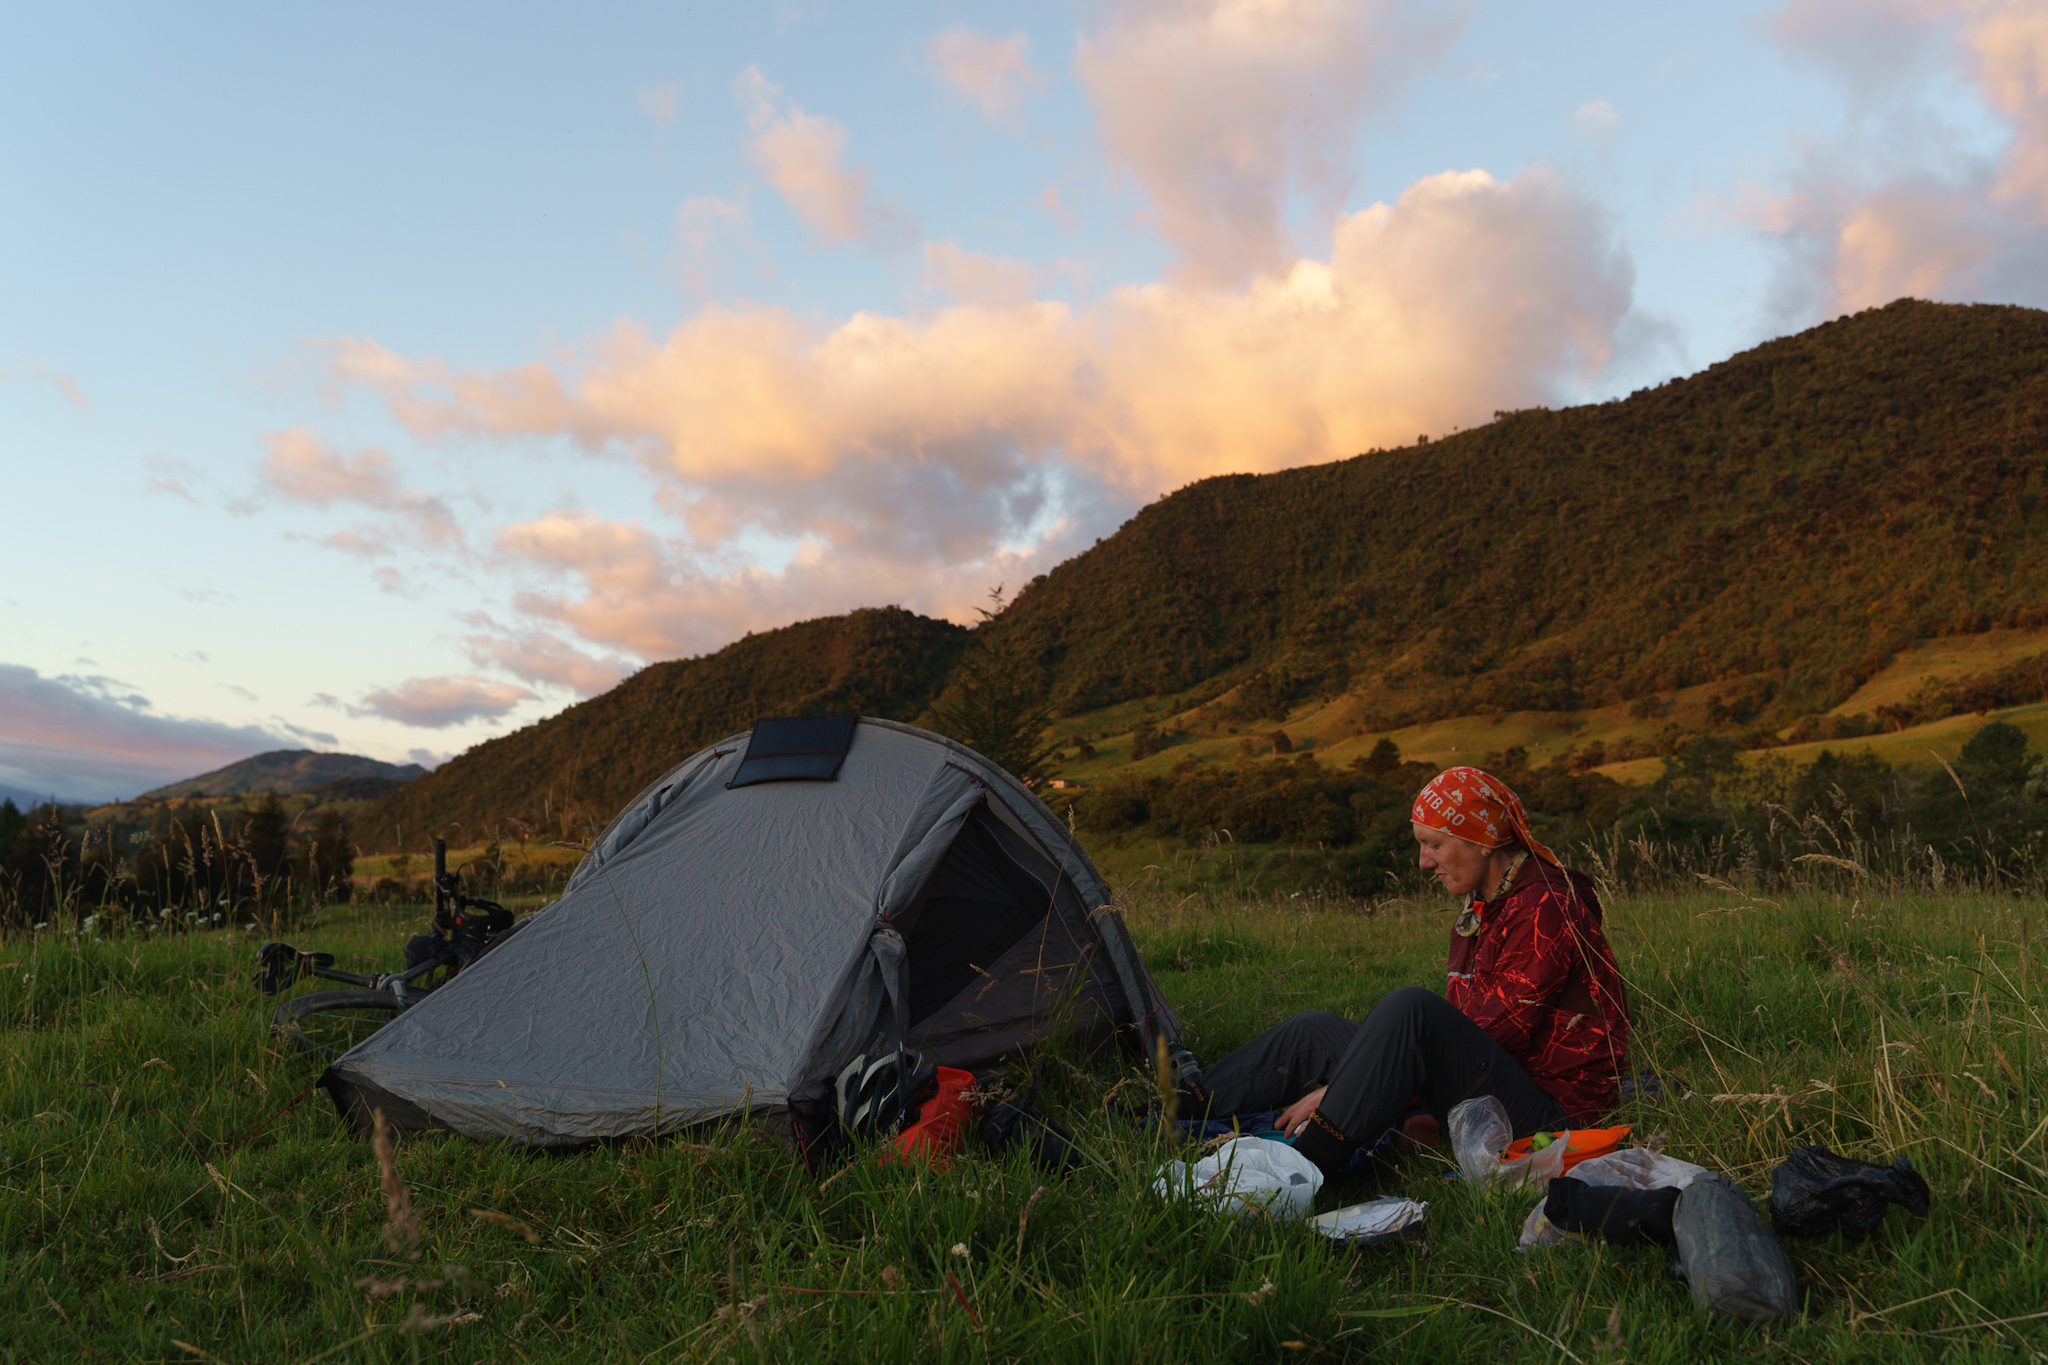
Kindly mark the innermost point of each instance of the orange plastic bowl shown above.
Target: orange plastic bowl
(1580, 1144)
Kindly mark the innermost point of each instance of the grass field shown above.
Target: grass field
(156, 1207)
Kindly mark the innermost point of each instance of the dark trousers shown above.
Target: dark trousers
(1414, 1043)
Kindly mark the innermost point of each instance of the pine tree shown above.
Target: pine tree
(995, 704)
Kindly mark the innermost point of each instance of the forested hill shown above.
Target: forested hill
(581, 765)
(1803, 509)
(1788, 518)
(285, 771)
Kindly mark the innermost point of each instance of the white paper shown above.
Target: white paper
(1372, 1222)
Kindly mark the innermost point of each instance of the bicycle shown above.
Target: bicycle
(329, 1023)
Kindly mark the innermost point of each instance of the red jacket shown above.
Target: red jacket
(1541, 980)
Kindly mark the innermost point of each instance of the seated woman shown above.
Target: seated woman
(1534, 1013)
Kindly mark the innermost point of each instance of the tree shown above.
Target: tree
(995, 702)
(330, 856)
(265, 836)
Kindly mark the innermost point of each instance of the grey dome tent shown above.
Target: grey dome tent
(770, 908)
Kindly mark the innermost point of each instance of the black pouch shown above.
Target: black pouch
(1815, 1191)
(1016, 1122)
(1625, 1217)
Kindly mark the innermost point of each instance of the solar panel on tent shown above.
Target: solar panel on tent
(795, 749)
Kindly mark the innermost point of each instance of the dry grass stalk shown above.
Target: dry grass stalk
(401, 1224)
(1025, 1216)
(420, 1320)
(1829, 860)
(507, 1222)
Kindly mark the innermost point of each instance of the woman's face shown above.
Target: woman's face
(1459, 864)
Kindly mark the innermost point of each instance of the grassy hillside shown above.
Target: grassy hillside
(575, 769)
(1746, 552)
(286, 771)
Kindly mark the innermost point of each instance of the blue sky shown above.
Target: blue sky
(382, 379)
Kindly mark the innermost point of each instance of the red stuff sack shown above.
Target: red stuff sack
(941, 1124)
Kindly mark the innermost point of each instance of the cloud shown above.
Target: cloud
(1597, 117)
(541, 657)
(994, 73)
(66, 387)
(1223, 109)
(171, 477)
(301, 468)
(659, 102)
(437, 703)
(1905, 202)
(973, 278)
(427, 758)
(703, 222)
(94, 739)
(920, 459)
(800, 153)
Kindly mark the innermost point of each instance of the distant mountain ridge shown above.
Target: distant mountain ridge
(1784, 522)
(25, 800)
(286, 772)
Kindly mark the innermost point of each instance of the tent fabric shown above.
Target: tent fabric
(727, 949)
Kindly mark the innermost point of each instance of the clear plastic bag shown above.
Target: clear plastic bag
(1480, 1132)
(1250, 1177)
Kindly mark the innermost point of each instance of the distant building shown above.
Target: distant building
(1067, 784)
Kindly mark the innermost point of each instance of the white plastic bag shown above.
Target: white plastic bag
(1378, 1221)
(1247, 1176)
(1638, 1168)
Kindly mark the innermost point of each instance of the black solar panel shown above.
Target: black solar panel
(795, 749)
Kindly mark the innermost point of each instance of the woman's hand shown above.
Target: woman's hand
(1295, 1117)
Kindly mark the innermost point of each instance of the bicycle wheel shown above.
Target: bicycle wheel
(329, 1023)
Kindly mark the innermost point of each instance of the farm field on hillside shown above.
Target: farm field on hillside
(157, 1206)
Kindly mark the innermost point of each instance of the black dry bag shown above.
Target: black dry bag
(1816, 1191)
(1015, 1123)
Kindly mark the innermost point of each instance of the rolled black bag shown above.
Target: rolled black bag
(1816, 1191)
(1625, 1217)
(1017, 1122)
(1722, 1250)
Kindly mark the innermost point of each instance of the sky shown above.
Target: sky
(382, 378)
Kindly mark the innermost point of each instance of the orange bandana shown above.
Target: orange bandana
(1478, 808)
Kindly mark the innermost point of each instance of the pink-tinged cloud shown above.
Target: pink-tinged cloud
(539, 656)
(918, 458)
(67, 387)
(802, 155)
(86, 739)
(1221, 110)
(437, 703)
(970, 277)
(995, 74)
(651, 595)
(298, 466)
(1899, 208)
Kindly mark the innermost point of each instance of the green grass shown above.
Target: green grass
(140, 1219)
